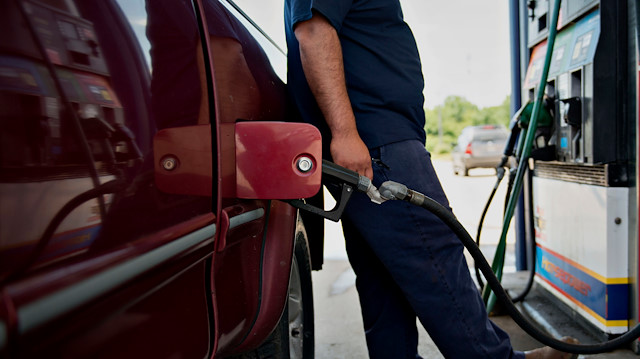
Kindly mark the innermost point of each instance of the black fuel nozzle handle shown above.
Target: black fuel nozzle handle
(348, 180)
(514, 132)
(515, 128)
(344, 175)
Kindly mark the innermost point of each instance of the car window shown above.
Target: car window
(269, 15)
(136, 14)
(79, 107)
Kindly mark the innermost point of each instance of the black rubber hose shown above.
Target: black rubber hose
(479, 232)
(532, 273)
(520, 297)
(449, 219)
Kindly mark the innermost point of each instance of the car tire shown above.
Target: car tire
(465, 171)
(293, 337)
(299, 313)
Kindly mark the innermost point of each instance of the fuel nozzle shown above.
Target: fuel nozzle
(514, 131)
(330, 169)
(348, 181)
(360, 183)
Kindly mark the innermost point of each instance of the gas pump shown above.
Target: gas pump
(584, 199)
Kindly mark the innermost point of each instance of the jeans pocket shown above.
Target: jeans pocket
(381, 164)
(380, 169)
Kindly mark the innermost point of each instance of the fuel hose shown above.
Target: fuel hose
(395, 191)
(500, 174)
(390, 190)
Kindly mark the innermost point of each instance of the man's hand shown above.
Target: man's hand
(350, 152)
(321, 56)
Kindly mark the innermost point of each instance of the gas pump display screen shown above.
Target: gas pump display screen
(581, 48)
(586, 34)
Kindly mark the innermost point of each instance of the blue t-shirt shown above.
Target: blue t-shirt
(381, 63)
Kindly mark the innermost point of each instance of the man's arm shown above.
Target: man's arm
(321, 56)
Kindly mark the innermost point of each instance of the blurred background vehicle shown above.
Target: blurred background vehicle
(478, 147)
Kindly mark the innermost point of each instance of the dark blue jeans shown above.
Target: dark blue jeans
(409, 264)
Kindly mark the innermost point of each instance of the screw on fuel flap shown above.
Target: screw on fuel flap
(304, 164)
(169, 163)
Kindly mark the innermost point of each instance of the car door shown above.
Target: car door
(95, 260)
(252, 262)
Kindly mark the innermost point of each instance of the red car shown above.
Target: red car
(143, 152)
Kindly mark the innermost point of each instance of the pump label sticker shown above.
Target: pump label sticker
(605, 299)
(565, 277)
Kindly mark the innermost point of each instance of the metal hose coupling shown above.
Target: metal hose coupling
(365, 185)
(391, 190)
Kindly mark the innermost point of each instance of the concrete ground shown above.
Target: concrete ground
(338, 329)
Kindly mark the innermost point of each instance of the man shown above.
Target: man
(355, 73)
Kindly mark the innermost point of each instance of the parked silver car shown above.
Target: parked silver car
(479, 146)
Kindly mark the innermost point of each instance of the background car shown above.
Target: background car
(136, 218)
(479, 146)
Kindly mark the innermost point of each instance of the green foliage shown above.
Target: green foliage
(455, 114)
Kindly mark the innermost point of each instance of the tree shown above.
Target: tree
(496, 114)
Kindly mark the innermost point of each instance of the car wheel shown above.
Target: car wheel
(293, 337)
(300, 304)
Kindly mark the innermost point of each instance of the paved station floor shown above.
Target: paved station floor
(339, 332)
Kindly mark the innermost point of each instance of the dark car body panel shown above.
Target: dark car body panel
(95, 259)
